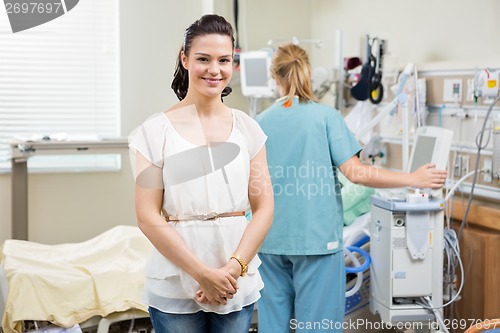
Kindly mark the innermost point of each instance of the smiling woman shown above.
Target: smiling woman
(199, 167)
(222, 37)
(209, 62)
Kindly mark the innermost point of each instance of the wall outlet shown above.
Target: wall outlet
(452, 90)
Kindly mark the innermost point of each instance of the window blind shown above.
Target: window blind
(60, 80)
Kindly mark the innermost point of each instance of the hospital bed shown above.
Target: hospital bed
(358, 305)
(357, 216)
(93, 283)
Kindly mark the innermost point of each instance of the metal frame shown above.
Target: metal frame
(21, 151)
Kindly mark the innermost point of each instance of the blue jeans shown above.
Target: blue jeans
(202, 322)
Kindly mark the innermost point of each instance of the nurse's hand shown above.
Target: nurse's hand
(427, 176)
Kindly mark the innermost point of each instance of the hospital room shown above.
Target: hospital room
(405, 195)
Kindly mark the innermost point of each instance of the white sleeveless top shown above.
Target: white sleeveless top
(222, 187)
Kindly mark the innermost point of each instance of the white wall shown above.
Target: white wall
(449, 32)
(151, 36)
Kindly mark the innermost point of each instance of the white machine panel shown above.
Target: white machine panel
(411, 276)
(398, 279)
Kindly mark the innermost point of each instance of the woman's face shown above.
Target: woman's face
(210, 64)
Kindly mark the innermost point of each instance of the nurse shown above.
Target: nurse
(302, 258)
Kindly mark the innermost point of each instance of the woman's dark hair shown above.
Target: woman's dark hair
(206, 25)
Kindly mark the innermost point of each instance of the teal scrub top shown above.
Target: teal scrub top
(306, 143)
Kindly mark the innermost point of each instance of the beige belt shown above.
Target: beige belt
(203, 217)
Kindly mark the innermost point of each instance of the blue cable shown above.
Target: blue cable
(364, 266)
(365, 239)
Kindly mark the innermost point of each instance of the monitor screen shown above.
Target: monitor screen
(423, 151)
(255, 74)
(431, 145)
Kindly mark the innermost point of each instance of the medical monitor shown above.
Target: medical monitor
(431, 145)
(255, 74)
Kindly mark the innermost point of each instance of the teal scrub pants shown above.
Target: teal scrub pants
(302, 292)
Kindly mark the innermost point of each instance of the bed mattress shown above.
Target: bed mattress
(67, 284)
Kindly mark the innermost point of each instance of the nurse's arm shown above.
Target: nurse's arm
(427, 176)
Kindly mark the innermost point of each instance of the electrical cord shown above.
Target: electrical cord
(450, 236)
(459, 182)
(452, 242)
(480, 146)
(131, 327)
(437, 314)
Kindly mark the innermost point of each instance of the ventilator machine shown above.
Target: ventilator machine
(406, 239)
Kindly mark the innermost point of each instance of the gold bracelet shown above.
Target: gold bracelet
(243, 264)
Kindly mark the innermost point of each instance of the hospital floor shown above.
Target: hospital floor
(144, 326)
(381, 331)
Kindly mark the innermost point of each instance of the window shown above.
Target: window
(60, 80)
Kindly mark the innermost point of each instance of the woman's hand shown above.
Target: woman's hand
(216, 287)
(427, 176)
(233, 267)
